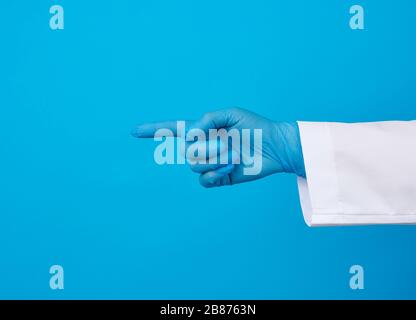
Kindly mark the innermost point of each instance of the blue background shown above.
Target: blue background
(77, 190)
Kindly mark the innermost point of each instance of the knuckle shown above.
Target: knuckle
(235, 109)
(207, 116)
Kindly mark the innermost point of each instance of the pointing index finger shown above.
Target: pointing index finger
(148, 130)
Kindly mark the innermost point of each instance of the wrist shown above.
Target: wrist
(290, 148)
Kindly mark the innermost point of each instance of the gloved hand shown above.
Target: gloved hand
(281, 147)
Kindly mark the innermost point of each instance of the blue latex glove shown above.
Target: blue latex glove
(281, 146)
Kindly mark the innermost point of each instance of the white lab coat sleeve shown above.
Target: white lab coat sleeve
(358, 173)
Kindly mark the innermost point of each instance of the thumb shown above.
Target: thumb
(214, 120)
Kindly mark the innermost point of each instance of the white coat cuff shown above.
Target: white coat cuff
(319, 192)
(336, 191)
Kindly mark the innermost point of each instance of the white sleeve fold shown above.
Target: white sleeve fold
(358, 173)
